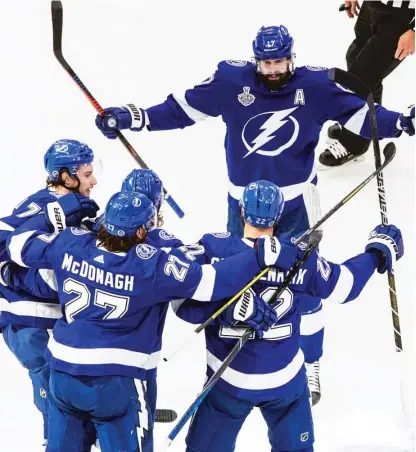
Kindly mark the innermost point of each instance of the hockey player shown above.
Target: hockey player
(24, 316)
(269, 372)
(111, 288)
(148, 183)
(274, 113)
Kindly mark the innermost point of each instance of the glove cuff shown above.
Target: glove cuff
(56, 216)
(139, 117)
(272, 249)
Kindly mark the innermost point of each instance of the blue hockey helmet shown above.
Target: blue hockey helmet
(262, 204)
(273, 43)
(127, 211)
(144, 181)
(66, 154)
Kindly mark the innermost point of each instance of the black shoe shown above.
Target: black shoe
(336, 154)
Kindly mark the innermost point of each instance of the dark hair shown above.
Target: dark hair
(60, 182)
(117, 244)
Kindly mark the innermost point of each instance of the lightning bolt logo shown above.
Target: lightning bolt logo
(270, 126)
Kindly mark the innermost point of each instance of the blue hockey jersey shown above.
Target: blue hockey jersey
(272, 367)
(32, 298)
(270, 135)
(111, 301)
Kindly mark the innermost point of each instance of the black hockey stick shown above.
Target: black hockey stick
(389, 152)
(314, 239)
(353, 83)
(57, 21)
(165, 416)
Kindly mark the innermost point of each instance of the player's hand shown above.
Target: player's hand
(387, 242)
(406, 45)
(351, 8)
(272, 252)
(252, 311)
(69, 211)
(118, 118)
(407, 121)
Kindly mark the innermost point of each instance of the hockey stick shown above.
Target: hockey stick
(389, 152)
(353, 83)
(314, 240)
(57, 20)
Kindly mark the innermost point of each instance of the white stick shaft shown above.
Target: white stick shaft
(181, 347)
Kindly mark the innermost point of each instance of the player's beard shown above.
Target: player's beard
(275, 85)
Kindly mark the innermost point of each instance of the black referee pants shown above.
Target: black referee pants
(371, 54)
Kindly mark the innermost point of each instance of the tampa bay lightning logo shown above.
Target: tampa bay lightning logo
(145, 251)
(270, 133)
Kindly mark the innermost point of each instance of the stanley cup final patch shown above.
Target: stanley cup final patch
(245, 98)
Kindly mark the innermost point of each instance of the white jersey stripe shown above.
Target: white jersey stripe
(258, 381)
(206, 286)
(191, 112)
(343, 286)
(91, 356)
(31, 309)
(16, 245)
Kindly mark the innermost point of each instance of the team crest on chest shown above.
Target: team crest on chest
(245, 98)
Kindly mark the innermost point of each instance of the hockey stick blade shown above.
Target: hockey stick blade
(314, 240)
(57, 27)
(389, 153)
(349, 81)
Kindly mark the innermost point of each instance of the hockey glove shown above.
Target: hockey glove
(387, 242)
(94, 224)
(5, 273)
(69, 211)
(406, 121)
(272, 252)
(118, 118)
(252, 311)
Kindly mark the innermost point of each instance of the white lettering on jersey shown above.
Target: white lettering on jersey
(98, 275)
(299, 97)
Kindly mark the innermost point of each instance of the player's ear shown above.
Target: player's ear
(141, 233)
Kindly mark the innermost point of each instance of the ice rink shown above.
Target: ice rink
(137, 51)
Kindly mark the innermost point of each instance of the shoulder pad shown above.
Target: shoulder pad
(165, 235)
(145, 251)
(316, 68)
(220, 235)
(79, 231)
(229, 68)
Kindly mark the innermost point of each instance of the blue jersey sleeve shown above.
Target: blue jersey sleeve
(23, 212)
(198, 103)
(341, 283)
(352, 112)
(39, 283)
(180, 278)
(195, 312)
(31, 245)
